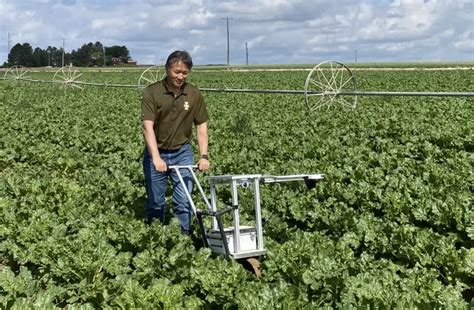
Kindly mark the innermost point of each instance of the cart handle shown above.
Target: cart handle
(174, 167)
(191, 169)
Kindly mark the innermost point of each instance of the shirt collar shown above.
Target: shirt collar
(166, 88)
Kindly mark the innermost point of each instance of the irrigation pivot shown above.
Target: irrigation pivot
(328, 84)
(151, 75)
(324, 84)
(67, 77)
(16, 72)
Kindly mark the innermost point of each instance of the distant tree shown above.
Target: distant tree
(21, 54)
(15, 55)
(54, 56)
(80, 57)
(40, 57)
(90, 54)
(117, 54)
(117, 51)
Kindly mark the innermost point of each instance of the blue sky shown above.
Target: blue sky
(276, 31)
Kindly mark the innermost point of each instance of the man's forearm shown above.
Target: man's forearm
(202, 138)
(150, 140)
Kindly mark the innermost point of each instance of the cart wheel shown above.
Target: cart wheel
(326, 84)
(151, 75)
(68, 77)
(253, 265)
(16, 73)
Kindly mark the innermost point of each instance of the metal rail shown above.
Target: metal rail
(405, 93)
(274, 91)
(355, 93)
(269, 91)
(72, 82)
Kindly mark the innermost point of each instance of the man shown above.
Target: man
(169, 109)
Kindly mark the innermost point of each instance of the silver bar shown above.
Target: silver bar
(248, 254)
(406, 93)
(288, 178)
(104, 84)
(181, 180)
(198, 184)
(258, 214)
(28, 80)
(229, 177)
(214, 205)
(235, 202)
(73, 82)
(257, 91)
(276, 91)
(342, 93)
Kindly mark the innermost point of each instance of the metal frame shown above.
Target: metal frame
(217, 229)
(151, 75)
(68, 77)
(328, 84)
(16, 73)
(324, 84)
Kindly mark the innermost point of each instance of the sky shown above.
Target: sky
(268, 31)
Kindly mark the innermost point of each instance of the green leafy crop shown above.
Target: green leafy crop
(391, 225)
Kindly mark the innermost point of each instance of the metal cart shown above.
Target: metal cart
(236, 241)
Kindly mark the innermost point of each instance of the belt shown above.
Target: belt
(168, 151)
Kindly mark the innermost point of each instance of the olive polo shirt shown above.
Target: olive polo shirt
(173, 116)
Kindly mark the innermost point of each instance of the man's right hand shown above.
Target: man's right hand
(160, 165)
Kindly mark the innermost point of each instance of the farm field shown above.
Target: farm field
(454, 65)
(390, 226)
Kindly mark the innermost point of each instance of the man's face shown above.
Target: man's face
(177, 74)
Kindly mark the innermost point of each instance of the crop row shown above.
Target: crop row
(391, 225)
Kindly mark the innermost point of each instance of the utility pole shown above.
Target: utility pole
(103, 46)
(62, 63)
(355, 56)
(246, 54)
(228, 44)
(9, 42)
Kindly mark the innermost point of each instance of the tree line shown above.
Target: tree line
(89, 55)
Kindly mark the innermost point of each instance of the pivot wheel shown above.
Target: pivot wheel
(330, 84)
(68, 77)
(151, 75)
(16, 72)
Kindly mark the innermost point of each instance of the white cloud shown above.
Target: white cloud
(196, 48)
(255, 41)
(404, 20)
(465, 42)
(465, 46)
(280, 31)
(275, 5)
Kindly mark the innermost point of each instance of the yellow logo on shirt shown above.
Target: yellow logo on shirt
(186, 105)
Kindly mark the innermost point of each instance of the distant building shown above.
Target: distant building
(123, 60)
(116, 60)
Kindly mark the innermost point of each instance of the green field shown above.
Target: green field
(390, 226)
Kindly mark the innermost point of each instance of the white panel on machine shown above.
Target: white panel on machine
(248, 240)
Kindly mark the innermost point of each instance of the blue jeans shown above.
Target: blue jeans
(156, 184)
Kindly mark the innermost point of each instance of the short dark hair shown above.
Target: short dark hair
(178, 56)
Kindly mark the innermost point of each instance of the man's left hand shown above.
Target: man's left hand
(203, 164)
